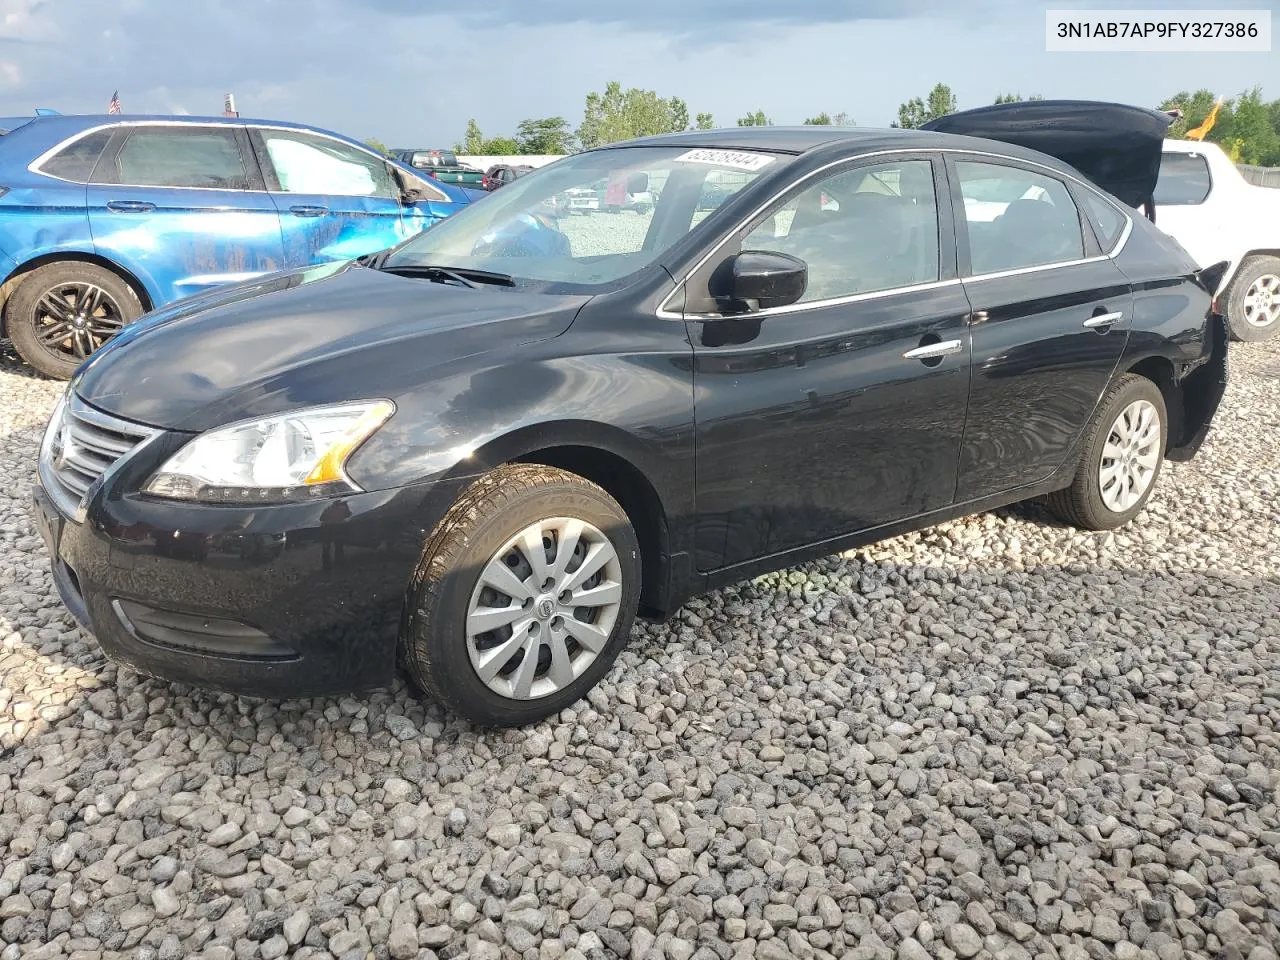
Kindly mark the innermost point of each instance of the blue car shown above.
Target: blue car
(103, 218)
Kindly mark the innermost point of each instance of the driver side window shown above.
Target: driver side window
(859, 230)
(304, 163)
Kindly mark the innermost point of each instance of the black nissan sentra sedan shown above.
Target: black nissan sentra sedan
(483, 452)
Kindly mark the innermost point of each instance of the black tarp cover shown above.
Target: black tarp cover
(1115, 146)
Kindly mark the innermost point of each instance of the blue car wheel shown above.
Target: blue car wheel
(62, 312)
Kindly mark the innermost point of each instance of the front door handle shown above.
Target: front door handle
(130, 206)
(304, 210)
(934, 351)
(1103, 320)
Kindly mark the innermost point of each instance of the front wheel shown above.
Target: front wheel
(1253, 302)
(524, 596)
(63, 312)
(1124, 448)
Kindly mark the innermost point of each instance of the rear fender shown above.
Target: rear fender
(1202, 391)
(1210, 278)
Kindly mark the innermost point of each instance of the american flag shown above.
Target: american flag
(114, 105)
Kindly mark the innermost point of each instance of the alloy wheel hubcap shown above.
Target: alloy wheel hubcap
(1130, 456)
(543, 608)
(72, 320)
(1262, 301)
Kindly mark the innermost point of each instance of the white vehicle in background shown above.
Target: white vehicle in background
(1204, 203)
(579, 200)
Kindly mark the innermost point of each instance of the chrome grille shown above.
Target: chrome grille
(82, 444)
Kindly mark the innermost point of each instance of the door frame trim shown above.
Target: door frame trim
(667, 314)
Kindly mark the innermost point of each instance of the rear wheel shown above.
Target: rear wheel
(524, 597)
(1124, 449)
(1253, 302)
(62, 312)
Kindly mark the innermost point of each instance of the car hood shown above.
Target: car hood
(319, 335)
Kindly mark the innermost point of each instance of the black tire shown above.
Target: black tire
(27, 319)
(1254, 270)
(1082, 504)
(485, 517)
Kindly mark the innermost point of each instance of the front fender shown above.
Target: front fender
(636, 406)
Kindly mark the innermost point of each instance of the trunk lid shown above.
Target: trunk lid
(1115, 146)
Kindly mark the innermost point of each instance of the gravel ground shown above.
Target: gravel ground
(995, 738)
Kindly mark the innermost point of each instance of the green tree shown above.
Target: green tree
(757, 119)
(1016, 97)
(825, 119)
(500, 147)
(1195, 108)
(704, 122)
(472, 141)
(476, 144)
(916, 112)
(1246, 127)
(619, 114)
(373, 143)
(548, 135)
(1251, 128)
(679, 114)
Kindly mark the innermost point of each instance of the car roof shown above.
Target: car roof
(854, 140)
(781, 139)
(1188, 146)
(41, 133)
(83, 120)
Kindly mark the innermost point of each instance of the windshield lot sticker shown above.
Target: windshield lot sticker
(738, 159)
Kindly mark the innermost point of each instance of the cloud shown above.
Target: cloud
(390, 69)
(682, 16)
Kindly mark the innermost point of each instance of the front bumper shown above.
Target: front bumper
(293, 600)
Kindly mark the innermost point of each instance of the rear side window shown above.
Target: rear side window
(1184, 180)
(1016, 218)
(174, 157)
(1108, 222)
(75, 161)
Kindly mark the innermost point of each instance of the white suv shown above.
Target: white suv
(1204, 203)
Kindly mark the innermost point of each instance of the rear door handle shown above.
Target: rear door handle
(1103, 320)
(130, 206)
(933, 351)
(303, 210)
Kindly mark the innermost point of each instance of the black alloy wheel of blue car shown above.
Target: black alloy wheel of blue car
(63, 312)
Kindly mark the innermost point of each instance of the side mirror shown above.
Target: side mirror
(410, 192)
(760, 279)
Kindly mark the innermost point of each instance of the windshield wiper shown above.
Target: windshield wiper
(462, 275)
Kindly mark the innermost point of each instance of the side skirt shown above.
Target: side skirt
(684, 582)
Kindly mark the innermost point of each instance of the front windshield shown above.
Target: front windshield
(589, 219)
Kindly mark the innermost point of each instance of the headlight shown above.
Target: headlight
(290, 457)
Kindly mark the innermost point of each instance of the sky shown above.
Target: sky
(394, 70)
